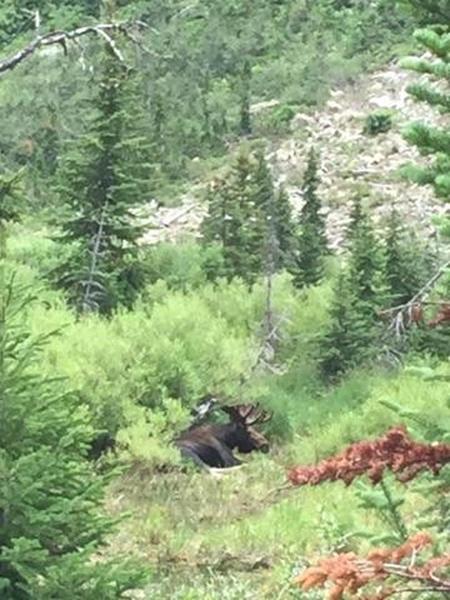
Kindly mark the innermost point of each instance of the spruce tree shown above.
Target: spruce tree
(311, 247)
(354, 333)
(366, 262)
(51, 521)
(244, 251)
(408, 262)
(248, 219)
(348, 340)
(284, 227)
(104, 176)
(432, 141)
(235, 218)
(429, 11)
(245, 123)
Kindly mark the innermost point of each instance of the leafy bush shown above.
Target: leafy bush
(182, 266)
(378, 122)
(275, 120)
(179, 347)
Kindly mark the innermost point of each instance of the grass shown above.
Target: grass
(244, 533)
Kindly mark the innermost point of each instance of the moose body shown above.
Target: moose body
(213, 445)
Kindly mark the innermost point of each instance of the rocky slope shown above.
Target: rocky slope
(351, 161)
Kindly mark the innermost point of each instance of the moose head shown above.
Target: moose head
(212, 445)
(241, 434)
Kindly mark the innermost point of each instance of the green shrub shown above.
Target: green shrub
(178, 348)
(378, 122)
(275, 120)
(182, 266)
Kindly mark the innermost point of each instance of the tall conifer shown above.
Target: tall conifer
(51, 521)
(408, 261)
(432, 141)
(104, 176)
(311, 247)
(353, 334)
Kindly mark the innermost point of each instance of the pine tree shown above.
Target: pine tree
(248, 219)
(236, 221)
(284, 229)
(432, 141)
(348, 341)
(429, 11)
(353, 335)
(245, 123)
(407, 261)
(366, 261)
(51, 521)
(311, 248)
(103, 177)
(244, 251)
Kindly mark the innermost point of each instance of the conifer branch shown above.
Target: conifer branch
(61, 38)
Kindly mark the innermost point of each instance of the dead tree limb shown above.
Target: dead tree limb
(403, 314)
(62, 38)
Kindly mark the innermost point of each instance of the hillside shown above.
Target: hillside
(352, 162)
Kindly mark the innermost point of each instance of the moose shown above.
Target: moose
(212, 445)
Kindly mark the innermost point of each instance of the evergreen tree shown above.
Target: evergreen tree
(245, 124)
(103, 177)
(432, 141)
(50, 497)
(407, 261)
(366, 261)
(249, 220)
(234, 220)
(11, 197)
(51, 521)
(244, 251)
(284, 229)
(349, 339)
(311, 248)
(353, 335)
(429, 11)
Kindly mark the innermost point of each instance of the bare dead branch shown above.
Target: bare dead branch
(403, 314)
(61, 38)
(112, 44)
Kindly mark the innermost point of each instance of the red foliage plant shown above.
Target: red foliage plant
(394, 451)
(348, 574)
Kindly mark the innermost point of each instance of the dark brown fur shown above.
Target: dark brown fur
(213, 445)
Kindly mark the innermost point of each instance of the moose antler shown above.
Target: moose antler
(249, 413)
